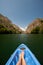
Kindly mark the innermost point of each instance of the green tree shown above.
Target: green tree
(36, 30)
(41, 21)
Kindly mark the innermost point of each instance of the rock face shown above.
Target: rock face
(7, 27)
(35, 27)
(18, 30)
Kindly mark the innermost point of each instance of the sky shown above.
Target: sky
(22, 12)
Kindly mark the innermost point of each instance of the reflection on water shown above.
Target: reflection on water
(8, 44)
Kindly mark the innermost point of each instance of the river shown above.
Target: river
(9, 42)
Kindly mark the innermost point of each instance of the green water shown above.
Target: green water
(9, 42)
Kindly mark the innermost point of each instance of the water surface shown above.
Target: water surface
(9, 42)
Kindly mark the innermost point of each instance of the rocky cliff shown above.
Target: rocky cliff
(36, 26)
(7, 27)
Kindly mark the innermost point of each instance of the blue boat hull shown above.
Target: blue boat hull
(28, 56)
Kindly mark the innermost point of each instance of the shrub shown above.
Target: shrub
(41, 21)
(36, 30)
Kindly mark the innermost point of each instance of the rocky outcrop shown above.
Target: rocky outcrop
(35, 27)
(7, 27)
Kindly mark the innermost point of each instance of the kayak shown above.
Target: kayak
(28, 56)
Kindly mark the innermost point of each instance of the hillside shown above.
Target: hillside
(6, 26)
(36, 27)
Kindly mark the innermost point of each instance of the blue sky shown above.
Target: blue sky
(22, 12)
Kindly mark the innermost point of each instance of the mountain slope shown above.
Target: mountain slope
(7, 27)
(35, 27)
